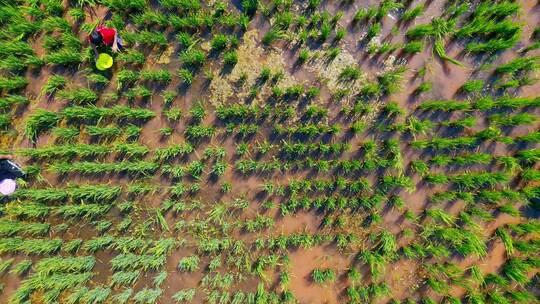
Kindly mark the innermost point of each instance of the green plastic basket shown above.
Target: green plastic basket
(104, 62)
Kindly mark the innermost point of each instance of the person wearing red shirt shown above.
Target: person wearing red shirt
(105, 36)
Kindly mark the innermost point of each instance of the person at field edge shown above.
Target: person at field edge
(103, 36)
(9, 172)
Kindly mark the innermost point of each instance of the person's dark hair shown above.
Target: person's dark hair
(96, 38)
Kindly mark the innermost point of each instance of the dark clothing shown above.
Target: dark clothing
(9, 169)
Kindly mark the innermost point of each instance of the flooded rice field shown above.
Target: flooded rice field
(278, 151)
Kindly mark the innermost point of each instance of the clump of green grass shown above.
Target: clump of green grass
(39, 121)
(522, 64)
(322, 276)
(79, 96)
(189, 264)
(230, 58)
(472, 86)
(413, 13)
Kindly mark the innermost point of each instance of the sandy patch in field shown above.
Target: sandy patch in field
(252, 58)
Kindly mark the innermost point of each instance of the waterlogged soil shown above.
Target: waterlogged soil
(404, 277)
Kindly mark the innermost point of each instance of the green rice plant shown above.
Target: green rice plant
(533, 137)
(506, 238)
(149, 38)
(13, 64)
(521, 64)
(126, 76)
(52, 23)
(126, 278)
(88, 211)
(373, 30)
(230, 58)
(55, 83)
(530, 175)
(197, 111)
(98, 79)
(84, 167)
(9, 101)
(375, 261)
(438, 29)
(420, 167)
(186, 76)
(131, 150)
(13, 83)
(516, 270)
(198, 132)
(94, 113)
(126, 5)
(30, 246)
(444, 105)
(97, 295)
(195, 169)
(390, 81)
(515, 103)
(122, 297)
(163, 154)
(65, 134)
(88, 193)
(103, 132)
(480, 179)
(124, 225)
(522, 296)
(165, 131)
(9, 228)
(219, 42)
(186, 40)
(132, 56)
(193, 58)
(147, 296)
(5, 121)
(138, 91)
(322, 276)
(160, 278)
(22, 268)
(440, 215)
(423, 88)
(272, 35)
(97, 244)
(15, 47)
(150, 18)
(73, 246)
(493, 45)
(168, 98)
(387, 243)
(79, 96)
(63, 57)
(218, 169)
(507, 120)
(413, 13)
(472, 86)
(469, 122)
(391, 181)
(40, 121)
(162, 76)
(102, 226)
(189, 263)
(5, 264)
(173, 114)
(77, 14)
(184, 295)
(350, 73)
